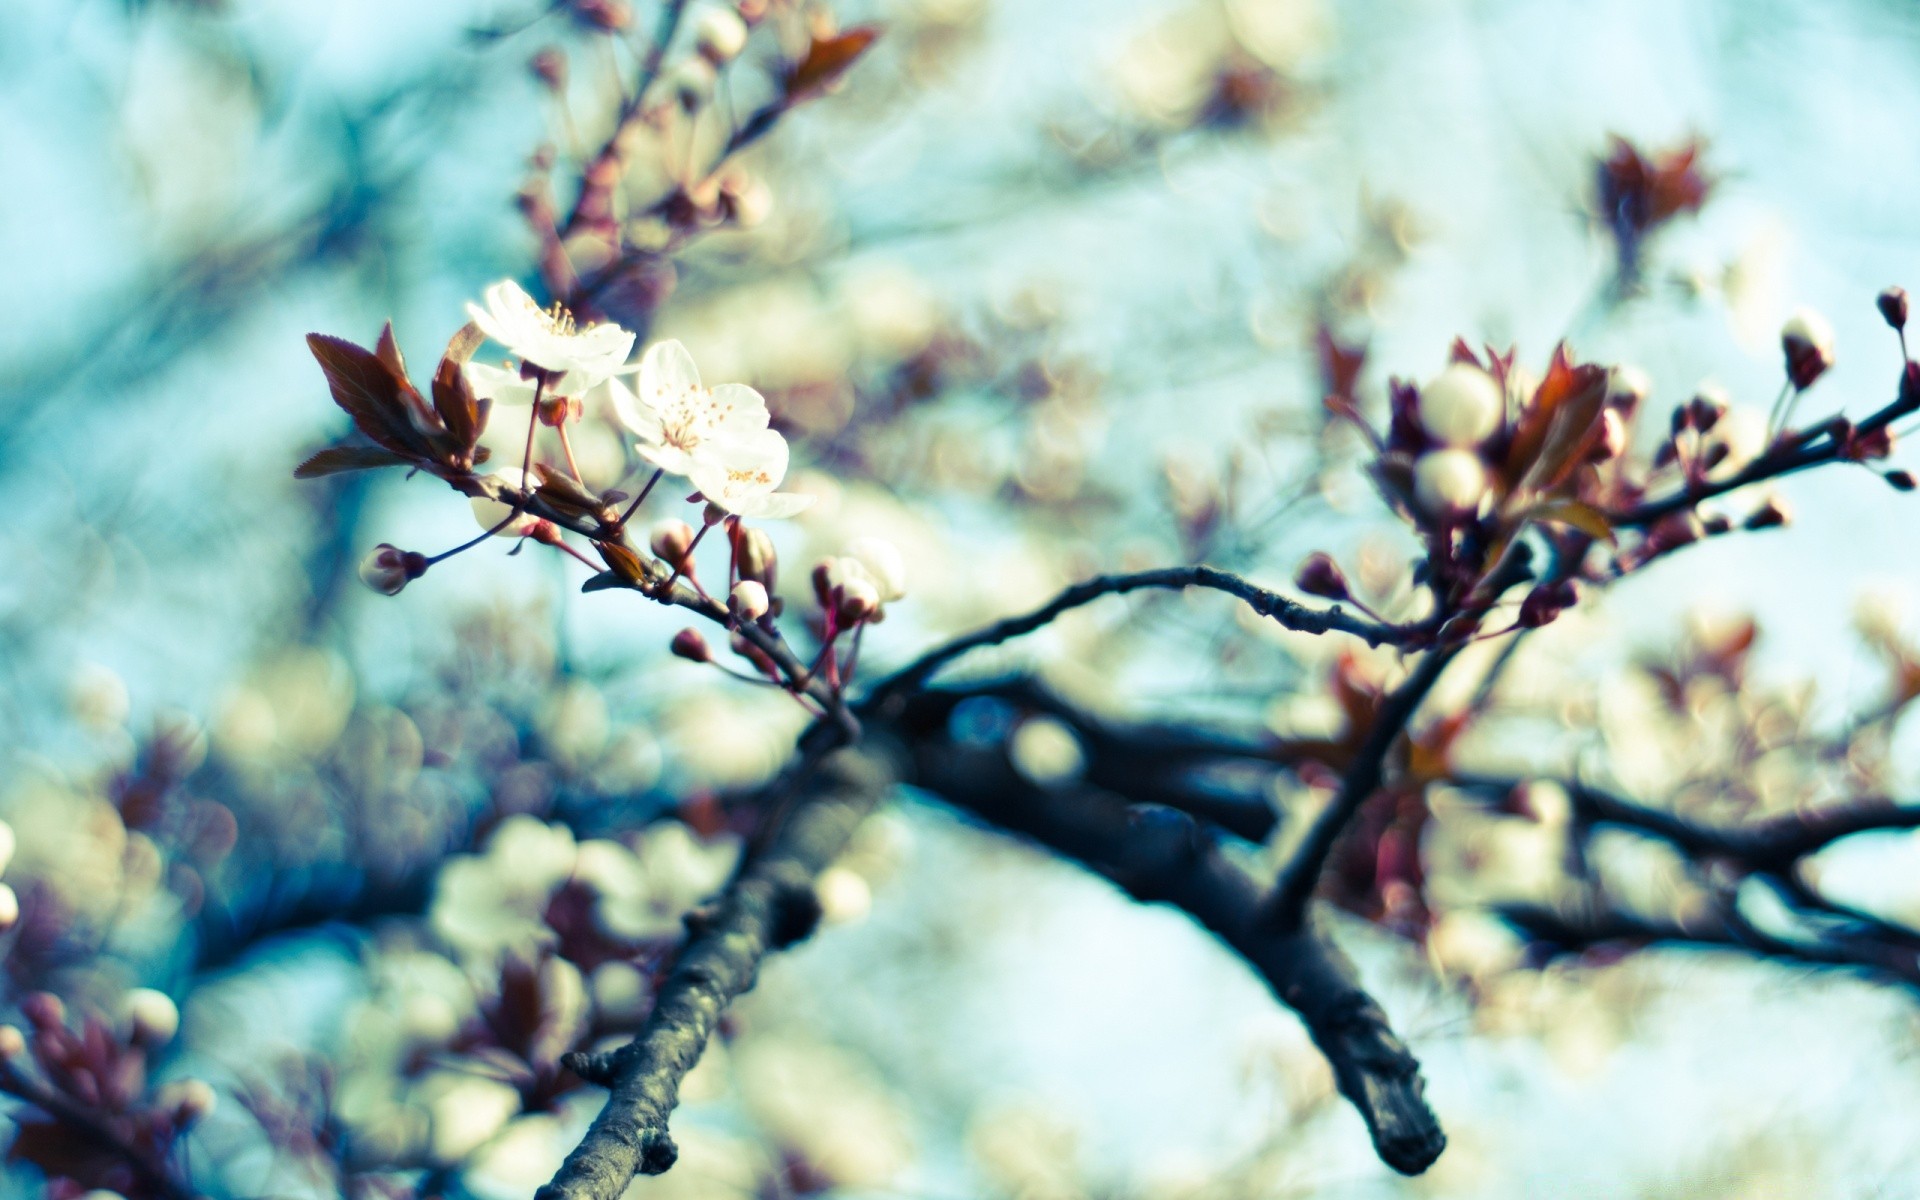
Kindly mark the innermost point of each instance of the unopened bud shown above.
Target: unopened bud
(671, 539)
(152, 1015)
(1715, 524)
(859, 599)
(1627, 388)
(1772, 513)
(1612, 440)
(387, 568)
(13, 1043)
(1449, 483)
(720, 35)
(884, 565)
(748, 601)
(1461, 406)
(555, 411)
(188, 1099)
(690, 83)
(9, 907)
(754, 553)
(1321, 576)
(1893, 306)
(690, 645)
(1706, 408)
(1901, 481)
(1807, 341)
(1548, 601)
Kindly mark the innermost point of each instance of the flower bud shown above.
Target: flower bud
(748, 601)
(671, 539)
(152, 1015)
(1449, 483)
(753, 551)
(189, 1100)
(1612, 439)
(9, 907)
(1321, 576)
(1461, 406)
(1708, 405)
(1548, 601)
(1627, 388)
(720, 35)
(885, 568)
(1807, 341)
(1893, 306)
(859, 600)
(690, 83)
(610, 16)
(13, 1043)
(387, 569)
(1772, 513)
(690, 645)
(1901, 481)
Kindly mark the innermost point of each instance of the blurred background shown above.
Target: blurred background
(1045, 289)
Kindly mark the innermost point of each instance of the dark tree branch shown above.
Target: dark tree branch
(1286, 906)
(1160, 856)
(1289, 613)
(770, 904)
(150, 1168)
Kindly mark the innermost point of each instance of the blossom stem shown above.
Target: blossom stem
(566, 447)
(641, 498)
(853, 654)
(533, 423)
(1782, 410)
(463, 547)
(685, 565)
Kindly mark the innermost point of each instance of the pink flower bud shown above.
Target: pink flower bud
(690, 645)
(1321, 576)
(1893, 306)
(753, 550)
(859, 600)
(671, 539)
(1461, 406)
(749, 600)
(1772, 513)
(1449, 484)
(1708, 405)
(387, 568)
(1612, 441)
(1807, 340)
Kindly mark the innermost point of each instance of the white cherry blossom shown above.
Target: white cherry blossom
(548, 338)
(678, 420)
(739, 476)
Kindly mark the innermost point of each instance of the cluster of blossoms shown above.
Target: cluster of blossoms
(718, 438)
(1484, 452)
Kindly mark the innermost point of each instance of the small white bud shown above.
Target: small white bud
(859, 599)
(154, 1016)
(671, 539)
(749, 600)
(1627, 388)
(885, 567)
(1807, 340)
(1449, 483)
(190, 1100)
(387, 568)
(9, 908)
(1461, 406)
(13, 1043)
(720, 35)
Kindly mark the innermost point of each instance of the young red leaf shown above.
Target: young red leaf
(453, 396)
(828, 58)
(335, 459)
(364, 386)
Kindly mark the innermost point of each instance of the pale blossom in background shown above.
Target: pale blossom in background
(548, 338)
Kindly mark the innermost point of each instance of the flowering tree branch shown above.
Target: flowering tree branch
(1158, 855)
(770, 904)
(1290, 613)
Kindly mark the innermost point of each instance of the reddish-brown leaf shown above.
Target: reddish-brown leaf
(453, 396)
(827, 59)
(364, 386)
(335, 459)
